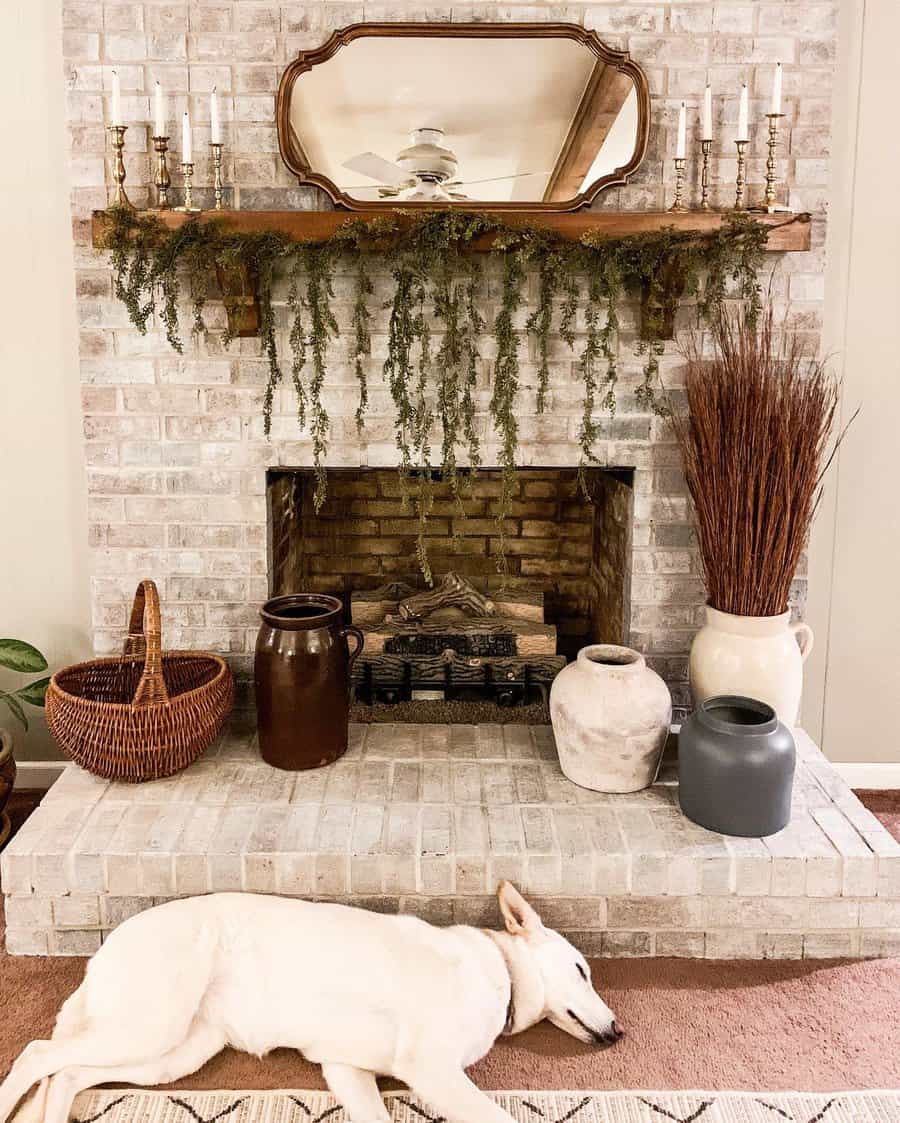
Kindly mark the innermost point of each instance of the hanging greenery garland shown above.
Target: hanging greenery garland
(436, 282)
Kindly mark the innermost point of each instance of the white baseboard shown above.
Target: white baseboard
(38, 774)
(874, 775)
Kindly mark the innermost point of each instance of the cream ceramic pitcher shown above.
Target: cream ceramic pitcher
(758, 657)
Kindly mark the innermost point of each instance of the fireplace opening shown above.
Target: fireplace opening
(478, 641)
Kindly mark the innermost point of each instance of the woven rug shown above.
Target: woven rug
(525, 1107)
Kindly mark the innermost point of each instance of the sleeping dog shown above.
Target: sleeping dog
(361, 993)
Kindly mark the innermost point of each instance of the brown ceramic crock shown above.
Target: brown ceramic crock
(302, 673)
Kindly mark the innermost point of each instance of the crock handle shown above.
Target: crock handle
(360, 641)
(806, 643)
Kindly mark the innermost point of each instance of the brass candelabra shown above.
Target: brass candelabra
(187, 170)
(217, 166)
(740, 181)
(120, 199)
(680, 164)
(706, 147)
(162, 180)
(769, 204)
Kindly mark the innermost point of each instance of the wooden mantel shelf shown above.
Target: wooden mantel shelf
(787, 232)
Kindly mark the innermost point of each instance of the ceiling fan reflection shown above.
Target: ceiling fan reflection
(423, 172)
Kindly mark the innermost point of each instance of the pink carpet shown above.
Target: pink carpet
(690, 1024)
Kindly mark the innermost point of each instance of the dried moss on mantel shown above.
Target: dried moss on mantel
(584, 262)
(788, 233)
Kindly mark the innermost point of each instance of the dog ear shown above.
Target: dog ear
(518, 916)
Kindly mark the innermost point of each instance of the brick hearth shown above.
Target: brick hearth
(426, 819)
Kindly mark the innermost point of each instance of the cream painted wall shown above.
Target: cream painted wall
(44, 581)
(854, 676)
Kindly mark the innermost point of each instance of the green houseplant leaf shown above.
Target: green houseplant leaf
(15, 707)
(16, 655)
(34, 692)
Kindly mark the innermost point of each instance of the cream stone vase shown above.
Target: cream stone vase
(610, 715)
(757, 657)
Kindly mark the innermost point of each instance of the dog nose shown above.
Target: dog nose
(613, 1034)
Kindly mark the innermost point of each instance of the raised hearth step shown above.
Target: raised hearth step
(426, 819)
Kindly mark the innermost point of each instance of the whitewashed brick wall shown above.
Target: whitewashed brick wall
(174, 447)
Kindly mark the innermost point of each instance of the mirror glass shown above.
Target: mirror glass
(463, 113)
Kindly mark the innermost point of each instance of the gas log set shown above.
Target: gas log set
(453, 642)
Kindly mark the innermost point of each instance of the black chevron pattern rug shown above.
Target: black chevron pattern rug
(525, 1107)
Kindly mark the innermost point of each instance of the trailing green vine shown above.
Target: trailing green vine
(506, 388)
(362, 338)
(323, 328)
(435, 319)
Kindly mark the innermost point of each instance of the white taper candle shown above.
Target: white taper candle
(187, 153)
(743, 132)
(682, 133)
(215, 131)
(116, 101)
(159, 124)
(776, 90)
(707, 113)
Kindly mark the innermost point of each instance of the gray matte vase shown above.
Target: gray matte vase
(736, 767)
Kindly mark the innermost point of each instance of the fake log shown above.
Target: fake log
(491, 637)
(372, 606)
(453, 592)
(394, 670)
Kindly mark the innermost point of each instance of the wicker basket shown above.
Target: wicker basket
(143, 716)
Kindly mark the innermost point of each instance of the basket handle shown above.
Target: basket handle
(145, 638)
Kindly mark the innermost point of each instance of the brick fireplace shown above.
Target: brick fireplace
(185, 487)
(176, 457)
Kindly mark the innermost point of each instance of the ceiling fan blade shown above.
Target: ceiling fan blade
(376, 167)
(492, 179)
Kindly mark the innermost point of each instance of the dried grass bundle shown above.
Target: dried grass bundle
(754, 439)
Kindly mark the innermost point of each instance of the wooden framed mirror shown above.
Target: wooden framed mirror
(500, 117)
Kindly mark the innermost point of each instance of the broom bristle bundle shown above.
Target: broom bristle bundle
(754, 436)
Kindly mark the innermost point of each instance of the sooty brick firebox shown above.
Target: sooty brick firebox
(567, 542)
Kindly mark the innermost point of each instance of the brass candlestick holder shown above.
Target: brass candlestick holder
(217, 168)
(706, 148)
(678, 205)
(741, 178)
(120, 199)
(187, 170)
(768, 204)
(162, 180)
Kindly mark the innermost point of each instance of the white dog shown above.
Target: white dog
(358, 992)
